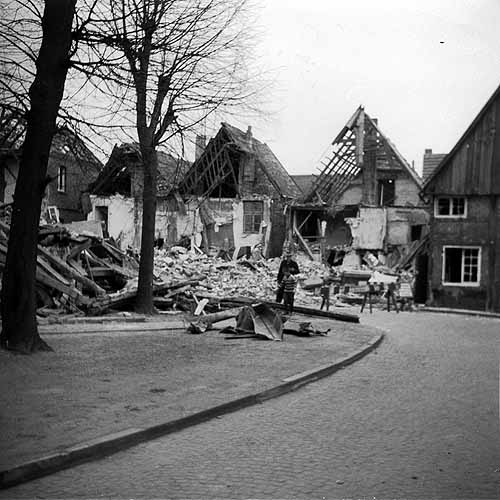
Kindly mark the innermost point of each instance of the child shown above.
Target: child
(324, 291)
(287, 265)
(288, 283)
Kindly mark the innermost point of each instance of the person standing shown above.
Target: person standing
(288, 265)
(324, 292)
(289, 283)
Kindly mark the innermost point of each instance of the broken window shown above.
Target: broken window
(416, 232)
(450, 207)
(253, 214)
(61, 179)
(461, 265)
(386, 192)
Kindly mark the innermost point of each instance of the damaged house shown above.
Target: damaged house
(231, 199)
(115, 197)
(71, 167)
(240, 191)
(464, 191)
(365, 204)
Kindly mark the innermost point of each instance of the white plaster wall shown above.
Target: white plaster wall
(242, 239)
(189, 224)
(120, 217)
(173, 224)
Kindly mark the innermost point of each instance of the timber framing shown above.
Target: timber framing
(354, 173)
(348, 155)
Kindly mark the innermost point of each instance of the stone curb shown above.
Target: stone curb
(113, 443)
(467, 312)
(73, 329)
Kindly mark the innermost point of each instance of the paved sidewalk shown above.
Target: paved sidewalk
(114, 378)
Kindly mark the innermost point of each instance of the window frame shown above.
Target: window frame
(462, 283)
(381, 192)
(62, 175)
(450, 215)
(253, 215)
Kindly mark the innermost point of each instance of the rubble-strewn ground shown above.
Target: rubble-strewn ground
(103, 382)
(248, 278)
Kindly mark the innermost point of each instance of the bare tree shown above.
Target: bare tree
(165, 63)
(173, 62)
(19, 328)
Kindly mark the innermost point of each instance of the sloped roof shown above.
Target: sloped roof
(219, 166)
(430, 163)
(116, 174)
(343, 165)
(463, 139)
(65, 141)
(305, 182)
(274, 170)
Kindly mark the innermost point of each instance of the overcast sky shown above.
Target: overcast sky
(424, 68)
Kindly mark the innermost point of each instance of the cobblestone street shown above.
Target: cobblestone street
(418, 418)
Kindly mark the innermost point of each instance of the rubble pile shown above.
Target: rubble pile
(74, 271)
(81, 273)
(244, 277)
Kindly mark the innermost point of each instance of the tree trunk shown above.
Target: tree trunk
(19, 327)
(144, 300)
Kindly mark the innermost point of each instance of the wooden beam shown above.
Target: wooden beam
(305, 220)
(303, 242)
(69, 271)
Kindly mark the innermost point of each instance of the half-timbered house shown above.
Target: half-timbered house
(464, 191)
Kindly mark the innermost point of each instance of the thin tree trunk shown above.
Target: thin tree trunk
(144, 300)
(19, 328)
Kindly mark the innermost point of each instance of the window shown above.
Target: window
(253, 213)
(416, 232)
(386, 192)
(461, 265)
(61, 179)
(53, 214)
(450, 207)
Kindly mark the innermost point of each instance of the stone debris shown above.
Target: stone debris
(243, 277)
(84, 274)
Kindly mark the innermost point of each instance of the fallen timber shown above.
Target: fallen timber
(340, 316)
(201, 324)
(119, 299)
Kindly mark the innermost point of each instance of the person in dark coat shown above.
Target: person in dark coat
(288, 265)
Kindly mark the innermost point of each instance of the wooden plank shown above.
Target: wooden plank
(305, 220)
(495, 152)
(303, 242)
(79, 248)
(341, 316)
(44, 266)
(51, 271)
(45, 279)
(70, 271)
(123, 297)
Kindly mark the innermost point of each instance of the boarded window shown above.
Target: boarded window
(450, 207)
(461, 265)
(253, 214)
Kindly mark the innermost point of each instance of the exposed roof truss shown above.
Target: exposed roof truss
(359, 138)
(211, 170)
